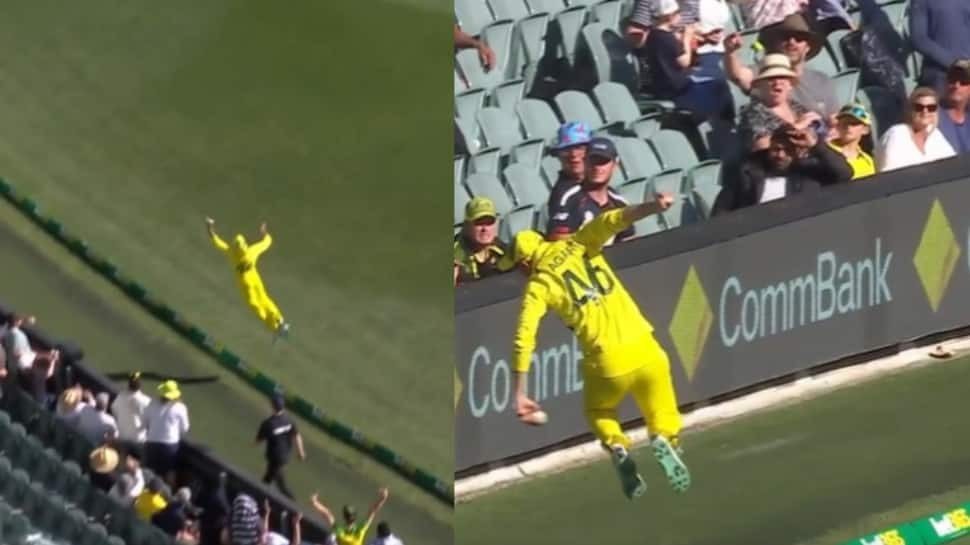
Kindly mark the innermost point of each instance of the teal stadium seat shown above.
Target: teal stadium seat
(488, 185)
(618, 106)
(577, 106)
(538, 118)
(846, 85)
(636, 191)
(486, 160)
(508, 95)
(529, 152)
(470, 102)
(637, 159)
(526, 186)
(473, 16)
(608, 13)
(500, 128)
(605, 56)
(520, 219)
(461, 199)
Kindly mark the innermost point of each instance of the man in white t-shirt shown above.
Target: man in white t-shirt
(95, 423)
(167, 421)
(129, 409)
(385, 536)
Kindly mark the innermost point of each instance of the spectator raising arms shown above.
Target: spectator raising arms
(796, 161)
(772, 106)
(853, 125)
(953, 119)
(916, 140)
(352, 530)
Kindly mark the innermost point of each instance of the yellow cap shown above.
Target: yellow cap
(169, 390)
(527, 243)
(480, 207)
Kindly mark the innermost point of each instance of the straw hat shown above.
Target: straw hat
(71, 397)
(775, 65)
(103, 459)
(169, 390)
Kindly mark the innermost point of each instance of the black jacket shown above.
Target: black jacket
(821, 167)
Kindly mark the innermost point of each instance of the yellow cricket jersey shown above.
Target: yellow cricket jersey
(243, 256)
(862, 164)
(572, 277)
(350, 535)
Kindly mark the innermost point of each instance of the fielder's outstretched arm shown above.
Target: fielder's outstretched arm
(210, 225)
(263, 244)
(534, 307)
(602, 228)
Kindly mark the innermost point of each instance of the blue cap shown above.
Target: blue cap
(572, 134)
(601, 147)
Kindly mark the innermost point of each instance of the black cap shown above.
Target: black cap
(601, 147)
(383, 529)
(278, 402)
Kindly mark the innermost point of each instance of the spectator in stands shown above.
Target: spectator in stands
(463, 40)
(151, 500)
(352, 531)
(172, 518)
(953, 120)
(773, 105)
(794, 38)
(570, 147)
(854, 124)
(130, 483)
(275, 538)
(189, 534)
(72, 402)
(938, 31)
(95, 423)
(761, 13)
(280, 434)
(3, 369)
(103, 461)
(214, 502)
(245, 525)
(129, 409)
(594, 196)
(645, 12)
(796, 161)
(478, 252)
(384, 535)
(917, 140)
(24, 357)
(168, 421)
(669, 56)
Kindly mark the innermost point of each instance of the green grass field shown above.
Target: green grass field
(818, 472)
(132, 121)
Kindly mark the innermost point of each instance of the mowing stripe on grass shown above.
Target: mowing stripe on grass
(943, 527)
(225, 357)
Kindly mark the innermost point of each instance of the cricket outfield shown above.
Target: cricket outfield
(131, 122)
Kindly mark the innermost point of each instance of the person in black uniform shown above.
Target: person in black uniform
(584, 201)
(280, 434)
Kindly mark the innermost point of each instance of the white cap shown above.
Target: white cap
(666, 7)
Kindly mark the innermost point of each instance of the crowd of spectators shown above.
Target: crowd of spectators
(792, 135)
(137, 440)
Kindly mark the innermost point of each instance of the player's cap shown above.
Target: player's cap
(602, 147)
(278, 402)
(527, 243)
(480, 207)
(857, 112)
(572, 134)
(169, 390)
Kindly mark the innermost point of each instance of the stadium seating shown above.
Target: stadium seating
(578, 46)
(49, 487)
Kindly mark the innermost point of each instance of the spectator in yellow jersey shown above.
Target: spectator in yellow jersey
(478, 252)
(620, 354)
(151, 500)
(854, 124)
(244, 257)
(352, 530)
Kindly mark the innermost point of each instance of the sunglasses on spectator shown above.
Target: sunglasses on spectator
(931, 108)
(797, 37)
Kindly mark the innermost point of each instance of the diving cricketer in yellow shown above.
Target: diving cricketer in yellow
(244, 257)
(620, 354)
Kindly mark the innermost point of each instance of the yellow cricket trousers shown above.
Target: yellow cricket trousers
(651, 387)
(255, 295)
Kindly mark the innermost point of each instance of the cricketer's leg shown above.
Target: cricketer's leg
(653, 390)
(601, 396)
(273, 317)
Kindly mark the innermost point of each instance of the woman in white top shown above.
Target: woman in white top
(918, 140)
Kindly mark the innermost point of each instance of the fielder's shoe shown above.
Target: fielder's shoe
(669, 459)
(282, 332)
(633, 484)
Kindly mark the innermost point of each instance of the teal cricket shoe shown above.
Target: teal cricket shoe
(669, 459)
(633, 484)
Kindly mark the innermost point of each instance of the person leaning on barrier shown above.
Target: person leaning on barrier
(478, 252)
(796, 161)
(129, 409)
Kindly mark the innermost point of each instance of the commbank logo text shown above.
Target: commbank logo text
(830, 285)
